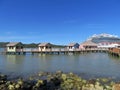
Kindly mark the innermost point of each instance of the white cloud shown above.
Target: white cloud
(9, 33)
(95, 25)
(71, 21)
(17, 37)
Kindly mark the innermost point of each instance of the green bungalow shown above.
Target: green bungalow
(14, 47)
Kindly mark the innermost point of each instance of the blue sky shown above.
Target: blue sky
(57, 21)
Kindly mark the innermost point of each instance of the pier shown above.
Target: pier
(114, 51)
(54, 51)
(48, 48)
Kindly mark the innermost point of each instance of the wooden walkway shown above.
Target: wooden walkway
(56, 51)
(114, 51)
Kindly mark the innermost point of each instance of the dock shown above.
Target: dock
(55, 51)
(114, 51)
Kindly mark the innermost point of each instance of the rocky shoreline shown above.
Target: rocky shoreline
(57, 81)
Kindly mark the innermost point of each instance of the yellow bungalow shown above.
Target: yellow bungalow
(14, 47)
(45, 46)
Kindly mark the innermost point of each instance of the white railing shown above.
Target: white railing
(57, 49)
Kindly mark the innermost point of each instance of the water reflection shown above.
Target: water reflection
(114, 57)
(14, 63)
(11, 59)
(91, 64)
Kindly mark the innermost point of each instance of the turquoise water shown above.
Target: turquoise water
(87, 65)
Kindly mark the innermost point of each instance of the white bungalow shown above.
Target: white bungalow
(73, 46)
(88, 45)
(45, 46)
(14, 47)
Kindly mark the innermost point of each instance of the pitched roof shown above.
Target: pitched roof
(44, 44)
(89, 43)
(72, 44)
(12, 43)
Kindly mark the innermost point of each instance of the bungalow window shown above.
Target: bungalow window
(11, 47)
(17, 47)
(70, 47)
(46, 47)
(42, 47)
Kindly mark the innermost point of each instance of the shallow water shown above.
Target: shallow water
(88, 65)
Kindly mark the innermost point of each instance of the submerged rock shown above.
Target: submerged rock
(3, 77)
(116, 87)
(57, 81)
(11, 87)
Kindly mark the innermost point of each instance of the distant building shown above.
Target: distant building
(88, 45)
(107, 44)
(14, 47)
(73, 46)
(45, 46)
(105, 40)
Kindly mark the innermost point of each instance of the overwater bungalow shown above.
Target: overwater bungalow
(14, 47)
(72, 46)
(88, 45)
(45, 46)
